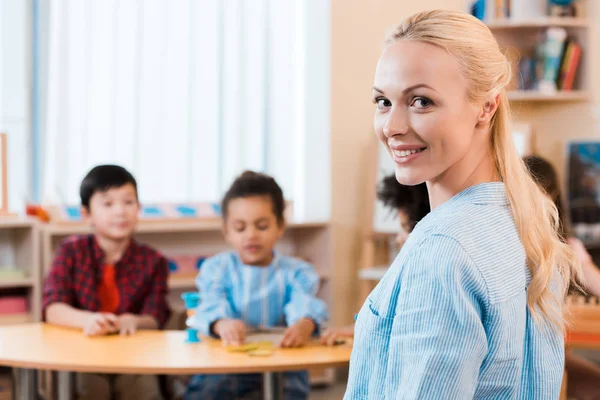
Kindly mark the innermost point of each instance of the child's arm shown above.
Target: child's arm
(304, 312)
(156, 311)
(58, 299)
(214, 303)
(332, 335)
(92, 324)
(591, 273)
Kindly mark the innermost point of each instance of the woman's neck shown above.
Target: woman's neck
(469, 171)
(113, 249)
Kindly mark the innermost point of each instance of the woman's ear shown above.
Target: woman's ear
(488, 109)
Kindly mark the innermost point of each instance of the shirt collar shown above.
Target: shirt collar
(489, 193)
(99, 255)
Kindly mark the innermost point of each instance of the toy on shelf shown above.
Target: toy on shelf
(186, 264)
(159, 212)
(37, 211)
(191, 300)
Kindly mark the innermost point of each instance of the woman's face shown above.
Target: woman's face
(423, 114)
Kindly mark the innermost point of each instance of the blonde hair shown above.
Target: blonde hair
(550, 261)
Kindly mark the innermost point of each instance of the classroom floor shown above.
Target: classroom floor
(334, 392)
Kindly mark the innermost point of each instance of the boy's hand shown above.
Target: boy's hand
(298, 334)
(128, 324)
(331, 335)
(231, 331)
(99, 324)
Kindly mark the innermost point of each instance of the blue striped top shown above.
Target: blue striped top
(449, 320)
(277, 295)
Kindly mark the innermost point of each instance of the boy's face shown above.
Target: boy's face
(252, 229)
(114, 213)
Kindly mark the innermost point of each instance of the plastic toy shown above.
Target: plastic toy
(191, 300)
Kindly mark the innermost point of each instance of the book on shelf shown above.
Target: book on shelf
(520, 9)
(552, 65)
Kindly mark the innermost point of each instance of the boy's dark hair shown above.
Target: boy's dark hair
(101, 178)
(413, 200)
(251, 183)
(544, 174)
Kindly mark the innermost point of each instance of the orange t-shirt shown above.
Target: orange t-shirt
(107, 290)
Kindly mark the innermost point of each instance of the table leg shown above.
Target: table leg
(65, 385)
(272, 386)
(25, 384)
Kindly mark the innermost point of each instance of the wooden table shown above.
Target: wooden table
(38, 346)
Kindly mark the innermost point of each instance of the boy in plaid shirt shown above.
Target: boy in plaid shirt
(106, 282)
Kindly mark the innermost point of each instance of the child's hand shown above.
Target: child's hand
(231, 331)
(330, 336)
(128, 324)
(579, 249)
(99, 324)
(298, 334)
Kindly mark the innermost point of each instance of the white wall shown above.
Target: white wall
(15, 97)
(183, 111)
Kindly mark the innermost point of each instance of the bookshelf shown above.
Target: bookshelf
(563, 116)
(20, 278)
(533, 96)
(520, 40)
(541, 22)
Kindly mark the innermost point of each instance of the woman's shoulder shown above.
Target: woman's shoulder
(483, 242)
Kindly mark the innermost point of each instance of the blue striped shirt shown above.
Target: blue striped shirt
(449, 320)
(277, 295)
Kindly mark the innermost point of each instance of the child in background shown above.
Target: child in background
(584, 375)
(107, 283)
(412, 204)
(255, 287)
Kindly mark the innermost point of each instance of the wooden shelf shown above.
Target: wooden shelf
(16, 283)
(185, 281)
(372, 274)
(166, 227)
(182, 281)
(545, 22)
(11, 319)
(574, 95)
(16, 222)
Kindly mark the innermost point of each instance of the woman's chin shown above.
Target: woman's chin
(406, 177)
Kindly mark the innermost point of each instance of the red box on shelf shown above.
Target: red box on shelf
(13, 305)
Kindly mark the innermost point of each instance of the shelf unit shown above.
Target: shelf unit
(565, 115)
(376, 246)
(516, 36)
(308, 240)
(534, 23)
(573, 95)
(19, 255)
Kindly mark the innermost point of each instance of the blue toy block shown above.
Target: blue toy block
(192, 336)
(191, 299)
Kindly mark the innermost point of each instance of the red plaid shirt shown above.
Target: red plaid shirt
(141, 278)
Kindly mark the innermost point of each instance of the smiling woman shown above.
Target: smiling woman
(474, 297)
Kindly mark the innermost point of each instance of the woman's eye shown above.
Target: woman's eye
(421, 102)
(382, 102)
